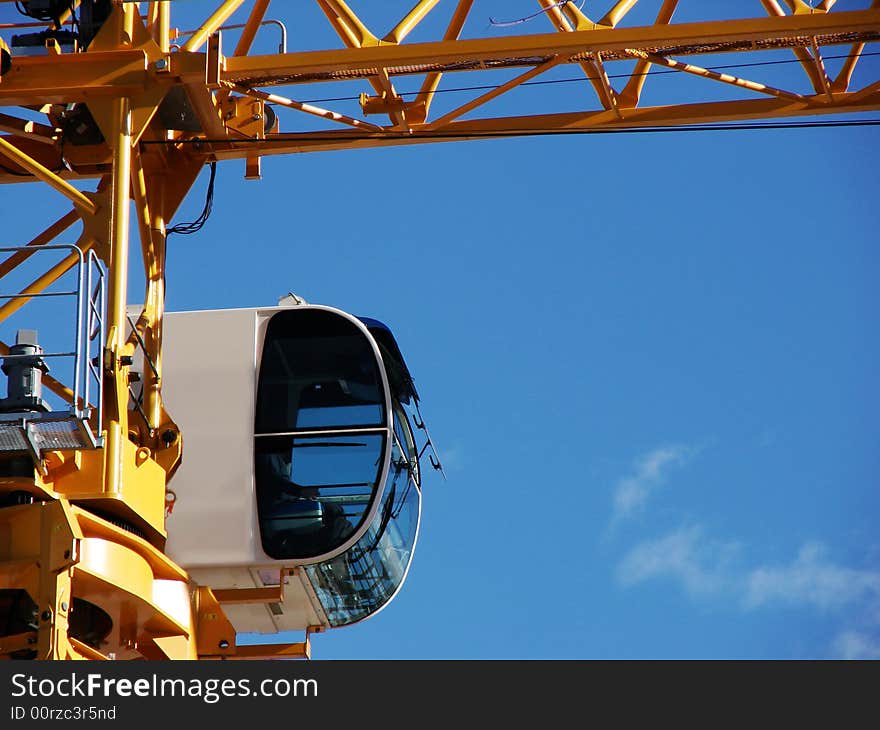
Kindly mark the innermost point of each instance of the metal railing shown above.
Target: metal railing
(82, 277)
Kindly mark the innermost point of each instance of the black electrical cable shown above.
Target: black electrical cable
(438, 136)
(185, 229)
(188, 228)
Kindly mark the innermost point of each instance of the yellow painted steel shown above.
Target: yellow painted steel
(39, 171)
(5, 57)
(51, 232)
(39, 285)
(26, 128)
(212, 24)
(65, 549)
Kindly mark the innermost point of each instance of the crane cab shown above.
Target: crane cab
(300, 467)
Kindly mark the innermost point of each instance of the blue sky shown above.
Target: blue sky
(654, 399)
(648, 361)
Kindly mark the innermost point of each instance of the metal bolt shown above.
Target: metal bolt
(46, 615)
(161, 64)
(63, 606)
(223, 644)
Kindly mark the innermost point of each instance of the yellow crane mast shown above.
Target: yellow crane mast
(110, 91)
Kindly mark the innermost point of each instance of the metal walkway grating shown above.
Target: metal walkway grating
(36, 433)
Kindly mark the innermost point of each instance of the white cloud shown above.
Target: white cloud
(855, 645)
(685, 556)
(705, 567)
(631, 493)
(811, 579)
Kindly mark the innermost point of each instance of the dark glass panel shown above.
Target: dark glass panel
(318, 370)
(314, 491)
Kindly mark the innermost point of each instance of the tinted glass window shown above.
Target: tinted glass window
(318, 370)
(366, 576)
(314, 491)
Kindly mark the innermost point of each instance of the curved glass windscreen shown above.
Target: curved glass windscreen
(365, 577)
(319, 433)
(318, 370)
(313, 491)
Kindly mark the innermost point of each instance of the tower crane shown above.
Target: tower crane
(115, 108)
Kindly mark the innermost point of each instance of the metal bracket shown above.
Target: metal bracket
(214, 61)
